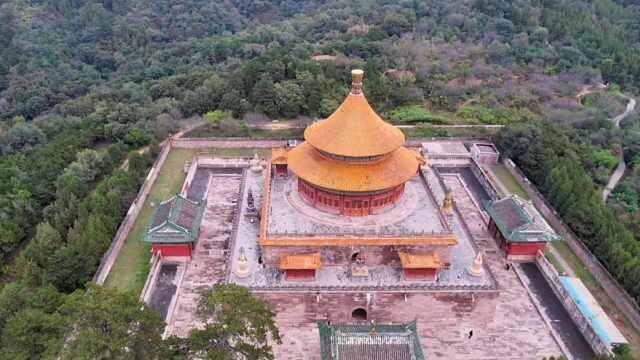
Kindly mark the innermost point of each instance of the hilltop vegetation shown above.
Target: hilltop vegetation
(84, 82)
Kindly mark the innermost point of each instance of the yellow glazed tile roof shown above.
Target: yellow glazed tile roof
(301, 262)
(355, 130)
(390, 171)
(279, 156)
(420, 261)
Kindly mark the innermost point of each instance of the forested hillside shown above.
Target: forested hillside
(84, 82)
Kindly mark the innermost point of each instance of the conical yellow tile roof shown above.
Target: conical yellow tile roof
(392, 170)
(354, 129)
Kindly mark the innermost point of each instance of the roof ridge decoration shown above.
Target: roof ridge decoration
(356, 81)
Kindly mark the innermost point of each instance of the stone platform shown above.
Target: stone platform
(504, 321)
(415, 213)
(418, 212)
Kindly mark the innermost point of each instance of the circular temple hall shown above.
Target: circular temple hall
(353, 163)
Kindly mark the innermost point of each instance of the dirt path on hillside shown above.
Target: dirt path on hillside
(622, 167)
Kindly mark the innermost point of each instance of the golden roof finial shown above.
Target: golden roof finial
(356, 81)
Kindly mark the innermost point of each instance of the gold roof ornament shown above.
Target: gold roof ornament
(476, 269)
(447, 204)
(301, 262)
(420, 261)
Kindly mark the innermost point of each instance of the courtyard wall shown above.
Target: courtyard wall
(581, 321)
(619, 296)
(110, 256)
(203, 143)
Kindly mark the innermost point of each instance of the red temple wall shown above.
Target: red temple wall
(299, 274)
(172, 249)
(281, 169)
(419, 274)
(349, 204)
(524, 248)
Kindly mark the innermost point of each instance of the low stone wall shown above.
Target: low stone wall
(581, 321)
(341, 255)
(236, 221)
(623, 301)
(149, 285)
(110, 256)
(190, 174)
(204, 143)
(486, 181)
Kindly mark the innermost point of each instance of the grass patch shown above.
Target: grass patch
(578, 267)
(509, 182)
(131, 268)
(601, 296)
(554, 261)
(208, 131)
(427, 131)
(415, 114)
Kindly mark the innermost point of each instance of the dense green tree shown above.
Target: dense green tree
(21, 136)
(106, 323)
(553, 163)
(289, 100)
(263, 95)
(32, 334)
(237, 325)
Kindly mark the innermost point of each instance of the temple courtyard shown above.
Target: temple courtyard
(496, 307)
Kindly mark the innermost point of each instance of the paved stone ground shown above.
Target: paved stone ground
(208, 264)
(421, 212)
(165, 289)
(415, 213)
(505, 325)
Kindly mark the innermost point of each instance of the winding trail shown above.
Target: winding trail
(619, 172)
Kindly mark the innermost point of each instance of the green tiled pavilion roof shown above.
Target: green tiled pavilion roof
(519, 220)
(175, 221)
(369, 342)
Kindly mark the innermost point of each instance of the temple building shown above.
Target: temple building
(518, 227)
(175, 227)
(353, 163)
(351, 195)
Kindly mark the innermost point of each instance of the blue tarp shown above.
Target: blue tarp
(599, 321)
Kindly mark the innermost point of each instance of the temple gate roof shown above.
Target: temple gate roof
(301, 262)
(176, 220)
(519, 221)
(370, 342)
(420, 261)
